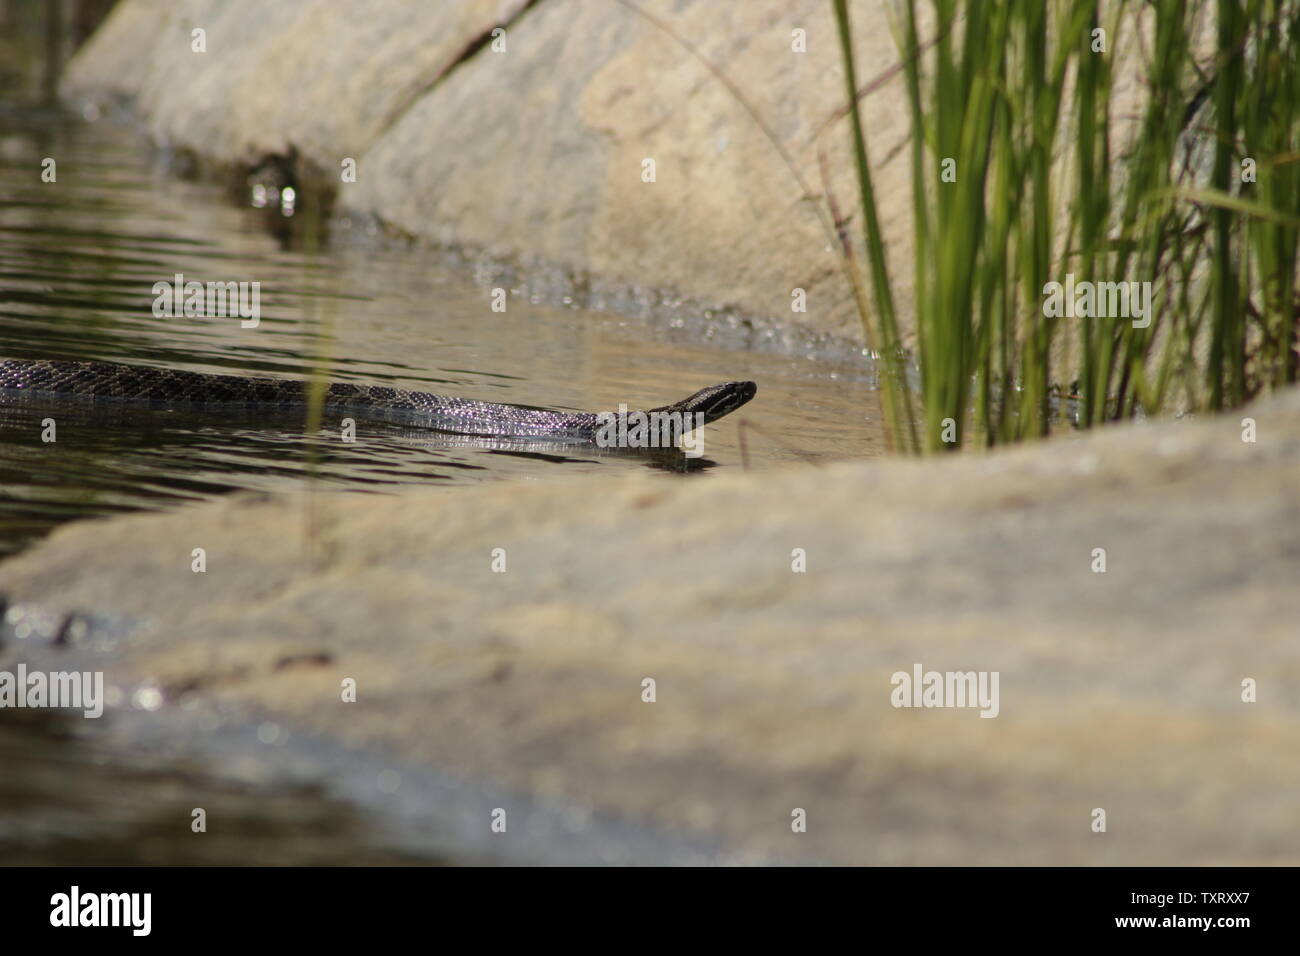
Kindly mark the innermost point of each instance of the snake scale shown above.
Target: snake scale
(169, 387)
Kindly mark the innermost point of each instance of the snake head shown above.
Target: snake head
(716, 400)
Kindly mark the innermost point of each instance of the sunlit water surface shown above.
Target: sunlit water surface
(79, 258)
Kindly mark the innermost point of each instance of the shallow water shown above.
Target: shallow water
(78, 261)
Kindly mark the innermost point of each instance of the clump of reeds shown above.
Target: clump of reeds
(1015, 99)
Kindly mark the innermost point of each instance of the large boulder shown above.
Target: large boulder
(531, 149)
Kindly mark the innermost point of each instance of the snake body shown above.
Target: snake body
(169, 387)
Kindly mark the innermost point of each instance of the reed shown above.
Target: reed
(1022, 174)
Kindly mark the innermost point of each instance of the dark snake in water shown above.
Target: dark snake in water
(168, 387)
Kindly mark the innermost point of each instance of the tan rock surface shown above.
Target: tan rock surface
(325, 77)
(1119, 690)
(534, 155)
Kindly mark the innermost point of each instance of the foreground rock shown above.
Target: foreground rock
(1119, 690)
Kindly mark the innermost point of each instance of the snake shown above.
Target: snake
(95, 381)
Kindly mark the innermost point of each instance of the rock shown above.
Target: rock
(527, 150)
(534, 156)
(1119, 690)
(325, 79)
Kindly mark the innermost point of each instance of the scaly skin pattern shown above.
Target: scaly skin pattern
(167, 387)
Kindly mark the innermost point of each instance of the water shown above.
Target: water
(78, 260)
(66, 799)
